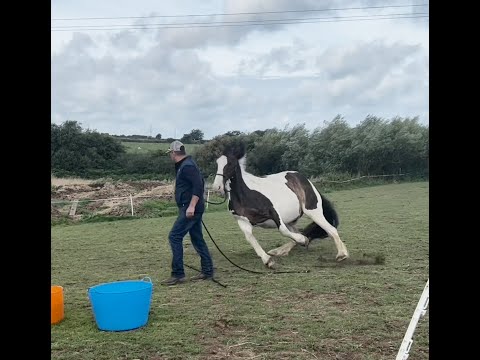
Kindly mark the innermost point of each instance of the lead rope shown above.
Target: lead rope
(251, 271)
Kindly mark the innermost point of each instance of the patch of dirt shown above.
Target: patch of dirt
(68, 181)
(355, 259)
(111, 198)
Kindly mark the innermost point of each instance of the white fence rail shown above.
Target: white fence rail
(128, 199)
(420, 310)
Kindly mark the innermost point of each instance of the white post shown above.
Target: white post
(73, 209)
(131, 203)
(420, 310)
(208, 197)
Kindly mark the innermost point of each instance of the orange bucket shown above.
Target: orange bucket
(57, 311)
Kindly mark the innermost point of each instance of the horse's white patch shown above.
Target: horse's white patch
(218, 181)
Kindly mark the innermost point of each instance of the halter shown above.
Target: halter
(226, 196)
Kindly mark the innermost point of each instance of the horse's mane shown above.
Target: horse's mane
(237, 151)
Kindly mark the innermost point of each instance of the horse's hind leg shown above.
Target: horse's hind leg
(317, 216)
(247, 229)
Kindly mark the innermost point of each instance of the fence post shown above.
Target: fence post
(73, 209)
(131, 203)
(420, 310)
(208, 197)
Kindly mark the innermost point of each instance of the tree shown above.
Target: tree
(233, 133)
(77, 152)
(210, 151)
(66, 134)
(329, 149)
(267, 156)
(296, 144)
(158, 136)
(196, 135)
(371, 145)
(409, 146)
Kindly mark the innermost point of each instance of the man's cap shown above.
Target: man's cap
(176, 146)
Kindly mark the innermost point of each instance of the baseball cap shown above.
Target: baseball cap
(176, 146)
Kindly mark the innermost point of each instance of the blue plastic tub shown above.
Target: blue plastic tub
(121, 305)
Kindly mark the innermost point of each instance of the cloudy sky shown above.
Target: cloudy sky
(148, 67)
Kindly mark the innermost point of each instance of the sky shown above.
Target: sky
(149, 67)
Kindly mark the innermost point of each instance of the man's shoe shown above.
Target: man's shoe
(173, 281)
(201, 276)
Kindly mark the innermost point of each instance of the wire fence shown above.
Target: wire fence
(360, 177)
(119, 204)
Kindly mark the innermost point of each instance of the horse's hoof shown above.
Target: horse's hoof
(277, 252)
(341, 257)
(307, 242)
(270, 263)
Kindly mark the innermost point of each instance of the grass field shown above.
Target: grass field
(144, 147)
(346, 311)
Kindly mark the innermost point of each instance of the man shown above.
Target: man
(189, 187)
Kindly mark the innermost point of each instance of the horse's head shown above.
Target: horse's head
(226, 169)
(227, 166)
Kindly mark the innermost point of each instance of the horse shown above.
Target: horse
(275, 201)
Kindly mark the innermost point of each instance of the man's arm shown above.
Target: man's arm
(197, 188)
(194, 201)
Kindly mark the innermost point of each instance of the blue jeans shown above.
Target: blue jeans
(182, 226)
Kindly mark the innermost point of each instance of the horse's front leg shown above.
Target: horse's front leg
(247, 229)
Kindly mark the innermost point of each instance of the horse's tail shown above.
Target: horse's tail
(313, 231)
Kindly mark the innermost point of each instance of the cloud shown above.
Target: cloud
(125, 82)
(281, 59)
(369, 72)
(245, 6)
(124, 40)
(155, 87)
(244, 15)
(373, 57)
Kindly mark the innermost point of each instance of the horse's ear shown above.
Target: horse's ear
(235, 150)
(227, 151)
(241, 151)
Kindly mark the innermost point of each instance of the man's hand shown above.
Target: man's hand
(190, 211)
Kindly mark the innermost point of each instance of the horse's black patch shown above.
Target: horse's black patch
(253, 205)
(300, 185)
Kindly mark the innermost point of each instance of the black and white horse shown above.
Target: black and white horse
(275, 201)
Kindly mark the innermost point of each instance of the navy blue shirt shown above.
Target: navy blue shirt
(189, 181)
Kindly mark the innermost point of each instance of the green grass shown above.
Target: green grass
(133, 147)
(352, 310)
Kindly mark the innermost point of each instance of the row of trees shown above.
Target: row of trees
(195, 136)
(375, 146)
(76, 151)
(89, 154)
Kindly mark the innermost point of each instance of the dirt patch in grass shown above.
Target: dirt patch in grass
(354, 259)
(227, 342)
(110, 198)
